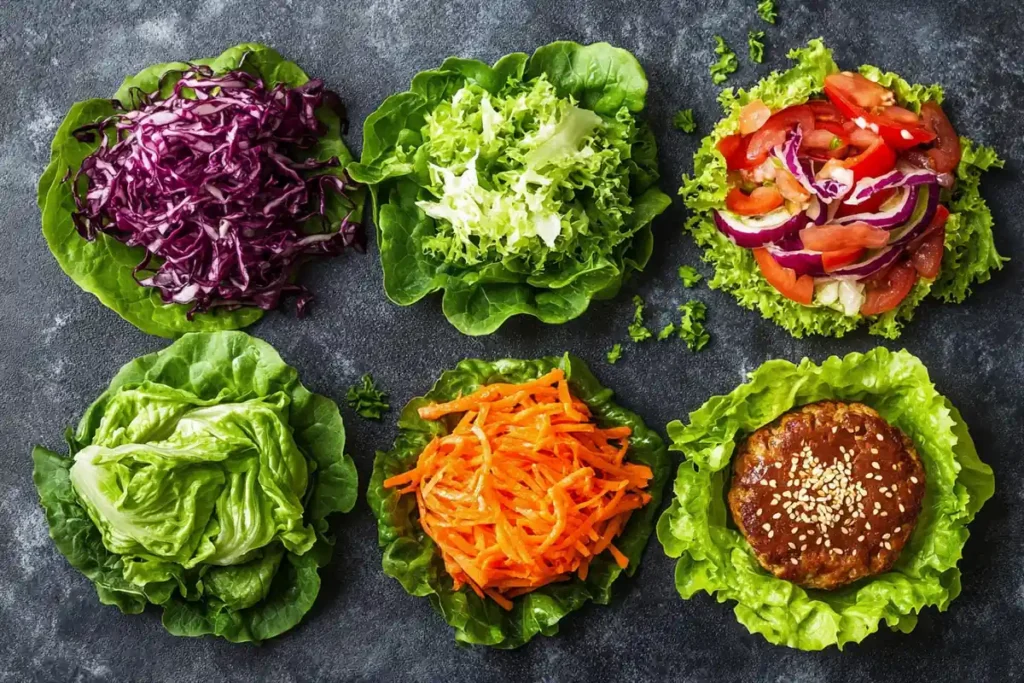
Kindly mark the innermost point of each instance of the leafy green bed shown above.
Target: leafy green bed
(104, 266)
(970, 257)
(201, 480)
(411, 556)
(716, 559)
(527, 187)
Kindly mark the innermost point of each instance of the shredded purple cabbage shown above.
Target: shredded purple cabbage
(206, 182)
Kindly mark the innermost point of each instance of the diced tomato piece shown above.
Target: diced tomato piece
(862, 138)
(945, 155)
(900, 116)
(860, 99)
(885, 293)
(753, 116)
(927, 256)
(734, 149)
(785, 280)
(832, 260)
(773, 132)
(824, 110)
(760, 201)
(869, 205)
(790, 187)
(858, 90)
(872, 162)
(824, 143)
(835, 237)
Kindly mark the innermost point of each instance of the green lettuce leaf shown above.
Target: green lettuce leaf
(201, 480)
(104, 266)
(970, 250)
(714, 557)
(411, 557)
(526, 187)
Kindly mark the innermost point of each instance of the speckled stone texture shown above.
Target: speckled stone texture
(59, 347)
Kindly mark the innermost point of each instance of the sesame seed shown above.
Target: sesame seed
(828, 543)
(879, 437)
(835, 428)
(766, 526)
(913, 480)
(792, 545)
(860, 539)
(875, 465)
(803, 537)
(883, 513)
(886, 536)
(818, 542)
(869, 476)
(897, 529)
(758, 513)
(776, 515)
(771, 533)
(867, 525)
(771, 482)
(874, 451)
(794, 560)
(763, 482)
(838, 551)
(793, 530)
(803, 547)
(887, 545)
(888, 495)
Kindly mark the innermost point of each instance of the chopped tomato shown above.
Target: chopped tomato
(885, 292)
(773, 132)
(834, 237)
(760, 201)
(872, 162)
(824, 110)
(832, 260)
(945, 155)
(753, 115)
(827, 141)
(869, 104)
(870, 205)
(900, 115)
(927, 256)
(790, 187)
(734, 149)
(862, 138)
(785, 280)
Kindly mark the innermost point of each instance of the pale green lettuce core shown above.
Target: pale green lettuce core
(715, 558)
(970, 257)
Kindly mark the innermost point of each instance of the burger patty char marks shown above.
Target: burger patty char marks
(827, 494)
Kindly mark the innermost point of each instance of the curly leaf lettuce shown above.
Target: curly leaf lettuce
(526, 187)
(714, 557)
(201, 480)
(411, 556)
(105, 267)
(971, 255)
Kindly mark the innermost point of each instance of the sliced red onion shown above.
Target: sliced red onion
(752, 232)
(902, 176)
(826, 188)
(893, 213)
(803, 261)
(869, 266)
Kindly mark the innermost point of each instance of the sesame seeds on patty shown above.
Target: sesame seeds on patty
(827, 494)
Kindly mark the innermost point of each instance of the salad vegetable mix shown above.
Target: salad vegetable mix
(515, 492)
(526, 187)
(201, 480)
(826, 198)
(188, 201)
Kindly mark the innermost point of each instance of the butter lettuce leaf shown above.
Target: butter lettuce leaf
(971, 255)
(526, 187)
(715, 558)
(201, 480)
(104, 267)
(411, 557)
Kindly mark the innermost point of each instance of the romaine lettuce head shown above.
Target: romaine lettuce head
(523, 187)
(715, 558)
(201, 480)
(970, 257)
(411, 556)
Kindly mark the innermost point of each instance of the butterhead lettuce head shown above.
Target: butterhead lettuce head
(970, 256)
(523, 187)
(201, 481)
(715, 558)
(412, 557)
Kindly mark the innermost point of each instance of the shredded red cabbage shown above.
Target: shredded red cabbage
(208, 182)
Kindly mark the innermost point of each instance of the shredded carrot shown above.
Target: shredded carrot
(525, 490)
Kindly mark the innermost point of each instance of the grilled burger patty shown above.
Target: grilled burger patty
(827, 494)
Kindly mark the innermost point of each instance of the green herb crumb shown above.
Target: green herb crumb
(683, 120)
(767, 11)
(755, 41)
(691, 327)
(367, 400)
(615, 354)
(637, 331)
(689, 276)
(726, 64)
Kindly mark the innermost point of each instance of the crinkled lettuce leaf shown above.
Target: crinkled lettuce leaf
(526, 187)
(971, 255)
(104, 266)
(201, 480)
(411, 556)
(715, 558)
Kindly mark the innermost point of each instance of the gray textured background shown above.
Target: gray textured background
(59, 346)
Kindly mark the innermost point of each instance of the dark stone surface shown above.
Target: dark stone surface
(59, 346)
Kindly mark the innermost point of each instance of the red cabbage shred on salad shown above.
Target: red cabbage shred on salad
(213, 182)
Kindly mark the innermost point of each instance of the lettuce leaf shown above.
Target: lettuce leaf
(526, 187)
(971, 255)
(714, 557)
(411, 557)
(104, 267)
(201, 480)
